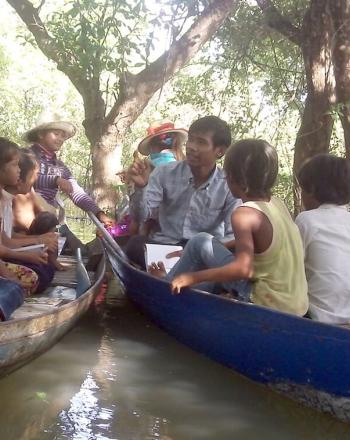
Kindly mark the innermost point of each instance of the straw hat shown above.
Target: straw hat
(49, 121)
(157, 129)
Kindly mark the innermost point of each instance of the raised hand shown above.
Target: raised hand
(139, 172)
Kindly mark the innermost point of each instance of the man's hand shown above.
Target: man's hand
(107, 221)
(183, 280)
(64, 185)
(139, 172)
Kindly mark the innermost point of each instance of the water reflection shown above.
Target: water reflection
(118, 377)
(84, 418)
(37, 393)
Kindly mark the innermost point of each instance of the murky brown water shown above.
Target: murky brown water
(117, 376)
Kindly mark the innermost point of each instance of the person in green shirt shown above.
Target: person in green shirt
(267, 251)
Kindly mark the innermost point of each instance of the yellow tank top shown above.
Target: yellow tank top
(279, 273)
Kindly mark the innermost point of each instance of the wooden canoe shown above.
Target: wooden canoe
(43, 319)
(306, 360)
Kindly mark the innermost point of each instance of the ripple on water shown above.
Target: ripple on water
(116, 376)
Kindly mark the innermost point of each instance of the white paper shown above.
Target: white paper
(32, 248)
(61, 241)
(158, 252)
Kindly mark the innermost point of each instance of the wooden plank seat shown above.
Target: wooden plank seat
(61, 291)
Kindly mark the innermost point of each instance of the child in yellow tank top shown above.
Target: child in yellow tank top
(267, 248)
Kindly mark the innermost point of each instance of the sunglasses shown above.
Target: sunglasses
(164, 140)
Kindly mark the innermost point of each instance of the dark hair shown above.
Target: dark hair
(253, 164)
(221, 133)
(8, 150)
(326, 178)
(33, 136)
(44, 222)
(27, 162)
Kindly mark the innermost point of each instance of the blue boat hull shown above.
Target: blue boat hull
(304, 359)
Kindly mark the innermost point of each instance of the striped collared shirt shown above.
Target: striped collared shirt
(183, 210)
(49, 169)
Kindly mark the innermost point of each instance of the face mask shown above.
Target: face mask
(161, 158)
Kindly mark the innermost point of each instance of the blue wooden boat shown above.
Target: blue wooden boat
(43, 319)
(303, 359)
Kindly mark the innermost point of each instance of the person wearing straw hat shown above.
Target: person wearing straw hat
(46, 139)
(163, 143)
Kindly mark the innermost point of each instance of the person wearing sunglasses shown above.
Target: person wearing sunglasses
(163, 144)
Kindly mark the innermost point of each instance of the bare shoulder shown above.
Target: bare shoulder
(248, 221)
(246, 216)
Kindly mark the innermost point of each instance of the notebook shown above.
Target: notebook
(61, 242)
(32, 248)
(158, 252)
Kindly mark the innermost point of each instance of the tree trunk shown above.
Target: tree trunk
(106, 159)
(340, 10)
(106, 135)
(105, 132)
(316, 127)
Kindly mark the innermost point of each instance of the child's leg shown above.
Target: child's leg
(27, 278)
(203, 252)
(11, 297)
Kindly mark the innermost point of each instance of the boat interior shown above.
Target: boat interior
(61, 291)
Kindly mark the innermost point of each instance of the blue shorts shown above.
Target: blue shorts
(11, 297)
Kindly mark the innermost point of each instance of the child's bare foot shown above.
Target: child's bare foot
(59, 266)
(157, 269)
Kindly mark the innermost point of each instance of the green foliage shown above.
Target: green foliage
(41, 396)
(105, 39)
(99, 35)
(284, 189)
(249, 75)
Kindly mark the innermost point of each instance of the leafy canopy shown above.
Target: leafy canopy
(107, 39)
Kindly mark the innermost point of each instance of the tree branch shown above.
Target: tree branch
(135, 90)
(30, 17)
(89, 88)
(66, 63)
(149, 80)
(275, 20)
